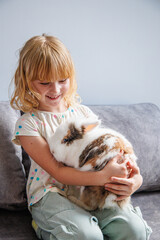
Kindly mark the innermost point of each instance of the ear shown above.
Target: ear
(91, 124)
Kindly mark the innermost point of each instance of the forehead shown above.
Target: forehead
(48, 68)
(55, 71)
(51, 74)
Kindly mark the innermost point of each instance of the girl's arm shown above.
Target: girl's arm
(38, 149)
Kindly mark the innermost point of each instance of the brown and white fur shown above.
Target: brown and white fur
(85, 145)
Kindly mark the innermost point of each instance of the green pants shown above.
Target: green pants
(58, 218)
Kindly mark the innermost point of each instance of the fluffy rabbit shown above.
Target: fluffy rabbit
(85, 145)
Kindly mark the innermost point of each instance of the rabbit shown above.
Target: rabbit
(86, 145)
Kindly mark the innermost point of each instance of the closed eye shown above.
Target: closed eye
(44, 83)
(62, 81)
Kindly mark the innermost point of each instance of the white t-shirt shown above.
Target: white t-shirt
(41, 123)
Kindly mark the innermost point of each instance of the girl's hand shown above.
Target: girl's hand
(124, 187)
(115, 168)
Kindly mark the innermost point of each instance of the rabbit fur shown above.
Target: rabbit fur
(87, 146)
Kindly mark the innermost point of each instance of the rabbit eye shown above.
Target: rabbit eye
(68, 140)
(65, 140)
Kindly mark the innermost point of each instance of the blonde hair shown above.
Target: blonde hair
(43, 58)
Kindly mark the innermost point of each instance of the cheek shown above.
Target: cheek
(36, 87)
(42, 90)
(39, 89)
(33, 85)
(66, 87)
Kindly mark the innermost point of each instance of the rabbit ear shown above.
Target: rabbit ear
(91, 124)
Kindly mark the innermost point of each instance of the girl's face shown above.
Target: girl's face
(52, 94)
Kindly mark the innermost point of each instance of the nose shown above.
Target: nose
(54, 86)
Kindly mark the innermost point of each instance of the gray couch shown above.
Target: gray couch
(140, 123)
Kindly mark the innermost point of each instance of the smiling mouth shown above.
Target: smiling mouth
(53, 98)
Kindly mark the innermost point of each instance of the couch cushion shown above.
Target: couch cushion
(140, 123)
(149, 203)
(12, 175)
(16, 225)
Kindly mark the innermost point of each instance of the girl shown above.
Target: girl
(45, 89)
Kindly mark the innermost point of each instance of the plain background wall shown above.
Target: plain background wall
(115, 44)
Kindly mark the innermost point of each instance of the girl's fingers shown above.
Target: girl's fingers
(116, 186)
(121, 187)
(133, 166)
(124, 181)
(117, 192)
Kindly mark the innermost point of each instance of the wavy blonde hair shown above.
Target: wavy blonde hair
(43, 58)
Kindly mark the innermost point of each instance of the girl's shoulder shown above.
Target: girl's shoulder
(26, 125)
(84, 110)
(27, 117)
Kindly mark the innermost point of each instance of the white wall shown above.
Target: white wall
(115, 44)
